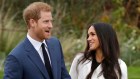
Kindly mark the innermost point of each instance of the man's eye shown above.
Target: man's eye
(46, 21)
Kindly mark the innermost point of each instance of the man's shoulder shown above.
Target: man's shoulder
(53, 40)
(18, 49)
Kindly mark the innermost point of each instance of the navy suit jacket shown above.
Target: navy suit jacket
(24, 62)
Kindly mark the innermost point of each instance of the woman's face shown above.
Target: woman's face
(93, 39)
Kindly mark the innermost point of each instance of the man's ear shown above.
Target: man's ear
(32, 23)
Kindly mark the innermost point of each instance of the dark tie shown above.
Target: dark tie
(47, 62)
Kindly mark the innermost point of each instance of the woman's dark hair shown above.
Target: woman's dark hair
(110, 48)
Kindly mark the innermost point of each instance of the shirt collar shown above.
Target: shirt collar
(35, 43)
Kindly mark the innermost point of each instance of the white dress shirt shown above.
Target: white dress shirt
(37, 45)
(83, 69)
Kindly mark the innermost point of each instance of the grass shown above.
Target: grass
(133, 73)
(1, 75)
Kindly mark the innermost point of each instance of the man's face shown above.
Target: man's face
(41, 29)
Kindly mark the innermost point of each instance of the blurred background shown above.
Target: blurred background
(71, 18)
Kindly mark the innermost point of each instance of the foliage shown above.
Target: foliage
(72, 17)
(72, 46)
(9, 29)
(132, 12)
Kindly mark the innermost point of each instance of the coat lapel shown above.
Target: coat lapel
(53, 58)
(35, 58)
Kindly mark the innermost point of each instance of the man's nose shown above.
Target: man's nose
(50, 25)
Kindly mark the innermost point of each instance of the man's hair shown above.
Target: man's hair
(33, 11)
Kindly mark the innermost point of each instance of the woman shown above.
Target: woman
(100, 60)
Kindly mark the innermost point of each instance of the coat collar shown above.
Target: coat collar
(35, 58)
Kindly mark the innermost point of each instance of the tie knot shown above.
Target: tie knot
(43, 45)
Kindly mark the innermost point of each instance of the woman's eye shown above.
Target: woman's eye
(92, 34)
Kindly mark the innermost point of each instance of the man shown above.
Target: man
(39, 56)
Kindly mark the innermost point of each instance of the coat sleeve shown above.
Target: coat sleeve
(12, 68)
(123, 69)
(74, 67)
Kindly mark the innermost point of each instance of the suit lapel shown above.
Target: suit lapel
(35, 58)
(53, 58)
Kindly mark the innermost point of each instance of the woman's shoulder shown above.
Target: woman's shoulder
(123, 68)
(122, 63)
(79, 56)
